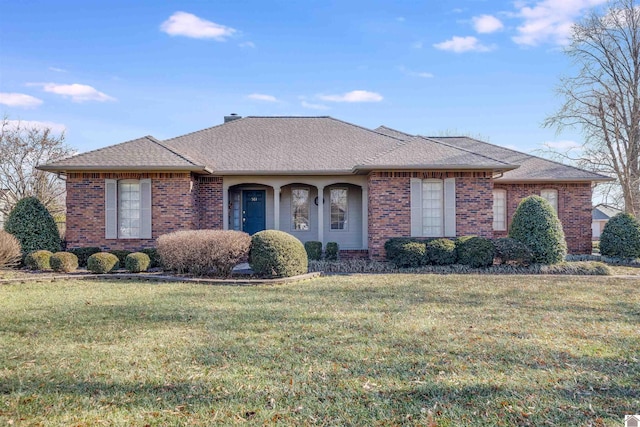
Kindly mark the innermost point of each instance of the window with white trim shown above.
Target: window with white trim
(432, 208)
(551, 196)
(128, 209)
(300, 209)
(338, 197)
(499, 210)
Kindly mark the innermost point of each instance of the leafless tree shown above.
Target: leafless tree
(603, 99)
(22, 148)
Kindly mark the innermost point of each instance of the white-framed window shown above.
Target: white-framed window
(551, 196)
(338, 208)
(432, 208)
(128, 209)
(499, 210)
(300, 209)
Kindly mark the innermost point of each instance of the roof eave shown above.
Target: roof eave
(283, 172)
(551, 180)
(54, 168)
(436, 167)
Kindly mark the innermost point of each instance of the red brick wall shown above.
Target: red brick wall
(173, 208)
(574, 210)
(390, 205)
(209, 202)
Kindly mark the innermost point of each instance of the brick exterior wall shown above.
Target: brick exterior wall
(390, 205)
(209, 202)
(574, 210)
(173, 208)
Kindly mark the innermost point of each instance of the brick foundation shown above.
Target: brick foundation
(346, 254)
(574, 210)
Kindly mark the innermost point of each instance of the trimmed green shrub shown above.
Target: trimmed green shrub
(412, 254)
(64, 262)
(10, 251)
(536, 224)
(32, 224)
(393, 248)
(278, 254)
(332, 251)
(441, 252)
(38, 260)
(201, 251)
(83, 254)
(314, 250)
(121, 254)
(513, 252)
(153, 255)
(102, 262)
(621, 237)
(137, 262)
(476, 252)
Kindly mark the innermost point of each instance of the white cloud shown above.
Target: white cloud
(353, 96)
(247, 44)
(27, 124)
(463, 44)
(311, 106)
(421, 74)
(563, 145)
(550, 21)
(19, 100)
(189, 25)
(57, 70)
(262, 97)
(485, 24)
(77, 92)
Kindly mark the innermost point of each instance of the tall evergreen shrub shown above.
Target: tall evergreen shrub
(621, 237)
(32, 224)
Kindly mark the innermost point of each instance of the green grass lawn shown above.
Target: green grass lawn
(341, 350)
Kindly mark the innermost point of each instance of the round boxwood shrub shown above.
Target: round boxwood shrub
(102, 262)
(441, 252)
(64, 262)
(332, 251)
(136, 262)
(276, 253)
(536, 224)
(621, 237)
(38, 260)
(412, 255)
(476, 252)
(32, 224)
(513, 252)
(314, 250)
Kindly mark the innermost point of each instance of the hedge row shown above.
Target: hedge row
(473, 251)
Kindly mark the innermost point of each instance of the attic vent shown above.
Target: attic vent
(231, 117)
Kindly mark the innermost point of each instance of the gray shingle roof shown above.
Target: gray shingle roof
(419, 152)
(602, 211)
(146, 153)
(531, 168)
(314, 145)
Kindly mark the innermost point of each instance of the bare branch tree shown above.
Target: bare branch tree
(22, 148)
(603, 99)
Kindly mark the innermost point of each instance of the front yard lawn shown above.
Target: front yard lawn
(341, 350)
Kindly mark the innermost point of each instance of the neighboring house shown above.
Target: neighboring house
(317, 178)
(600, 215)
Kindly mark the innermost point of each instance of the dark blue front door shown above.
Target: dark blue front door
(253, 211)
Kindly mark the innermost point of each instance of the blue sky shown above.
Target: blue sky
(108, 72)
